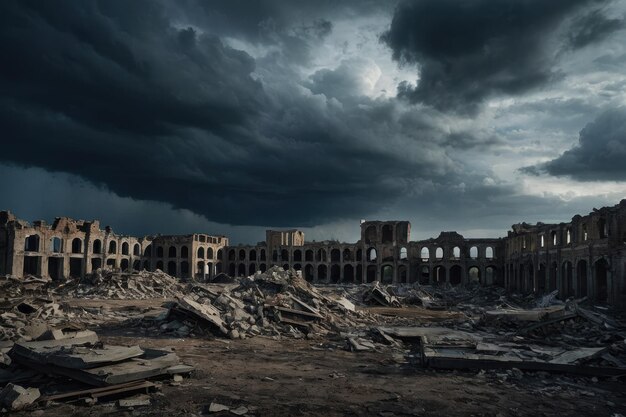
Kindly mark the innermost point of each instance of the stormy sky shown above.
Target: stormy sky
(233, 117)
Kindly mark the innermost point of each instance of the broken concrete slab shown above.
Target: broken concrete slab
(205, 312)
(77, 357)
(376, 294)
(15, 397)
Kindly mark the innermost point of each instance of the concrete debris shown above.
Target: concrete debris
(217, 407)
(377, 294)
(15, 397)
(44, 330)
(138, 401)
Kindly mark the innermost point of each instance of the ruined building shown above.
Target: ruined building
(583, 257)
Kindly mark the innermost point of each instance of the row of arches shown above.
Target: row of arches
(570, 279)
(386, 273)
(439, 253)
(32, 243)
(201, 253)
(346, 254)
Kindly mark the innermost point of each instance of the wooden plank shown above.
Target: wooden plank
(297, 312)
(128, 387)
(306, 306)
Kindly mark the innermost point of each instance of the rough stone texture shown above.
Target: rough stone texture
(16, 397)
(583, 257)
(73, 248)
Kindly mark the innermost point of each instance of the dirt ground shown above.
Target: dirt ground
(318, 377)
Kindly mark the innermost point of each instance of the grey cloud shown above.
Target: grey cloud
(159, 112)
(592, 27)
(599, 155)
(469, 51)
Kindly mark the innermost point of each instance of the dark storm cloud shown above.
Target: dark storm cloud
(471, 50)
(592, 27)
(123, 96)
(600, 154)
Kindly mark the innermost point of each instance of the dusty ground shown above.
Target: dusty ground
(291, 377)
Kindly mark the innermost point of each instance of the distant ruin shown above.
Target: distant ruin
(583, 257)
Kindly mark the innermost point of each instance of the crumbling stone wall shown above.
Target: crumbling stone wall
(384, 253)
(72, 248)
(585, 257)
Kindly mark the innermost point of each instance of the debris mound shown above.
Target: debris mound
(110, 284)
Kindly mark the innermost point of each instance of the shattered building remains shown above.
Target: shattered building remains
(583, 257)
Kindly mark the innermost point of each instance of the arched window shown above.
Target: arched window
(568, 236)
(137, 249)
(347, 255)
(147, 251)
(473, 252)
(489, 252)
(335, 255)
(77, 245)
(171, 268)
(252, 256)
(386, 274)
(553, 237)
(542, 241)
(584, 235)
(112, 247)
(125, 248)
(297, 255)
(403, 253)
(370, 234)
(184, 253)
(171, 253)
(371, 255)
(456, 253)
(321, 255)
(602, 229)
(209, 253)
(473, 274)
(57, 245)
(284, 255)
(97, 246)
(31, 244)
(308, 255)
(200, 253)
(425, 253)
(184, 269)
(439, 253)
(242, 254)
(387, 234)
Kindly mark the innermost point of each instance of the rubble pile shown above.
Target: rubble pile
(47, 364)
(273, 303)
(28, 319)
(108, 284)
(12, 287)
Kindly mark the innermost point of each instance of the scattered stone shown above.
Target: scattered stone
(15, 397)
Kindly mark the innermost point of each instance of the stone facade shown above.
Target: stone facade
(73, 248)
(384, 253)
(584, 257)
